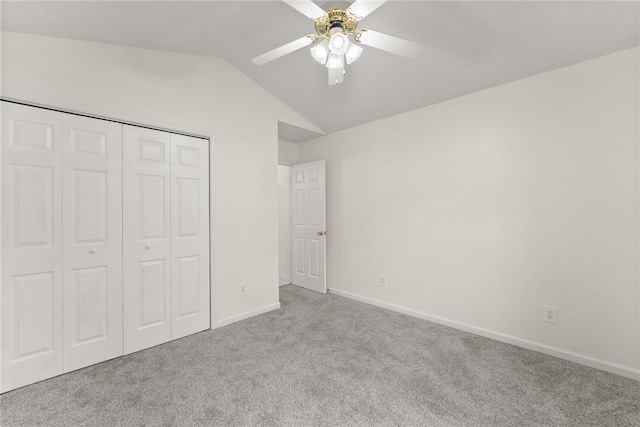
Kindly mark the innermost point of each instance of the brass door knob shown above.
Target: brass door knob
(322, 233)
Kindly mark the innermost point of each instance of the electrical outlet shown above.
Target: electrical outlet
(382, 280)
(550, 314)
(243, 289)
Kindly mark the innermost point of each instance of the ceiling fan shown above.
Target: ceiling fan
(337, 38)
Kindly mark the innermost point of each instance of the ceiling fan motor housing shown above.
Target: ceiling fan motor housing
(336, 18)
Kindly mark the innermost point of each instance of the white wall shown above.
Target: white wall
(179, 92)
(287, 153)
(284, 223)
(484, 208)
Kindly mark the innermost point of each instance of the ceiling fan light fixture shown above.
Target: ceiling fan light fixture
(337, 40)
(338, 43)
(353, 53)
(335, 61)
(320, 52)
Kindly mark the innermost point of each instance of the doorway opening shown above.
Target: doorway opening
(302, 230)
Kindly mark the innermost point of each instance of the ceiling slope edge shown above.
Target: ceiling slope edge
(291, 133)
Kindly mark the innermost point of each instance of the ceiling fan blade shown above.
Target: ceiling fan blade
(389, 43)
(283, 50)
(307, 8)
(361, 8)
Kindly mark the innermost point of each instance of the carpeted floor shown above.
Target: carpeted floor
(327, 360)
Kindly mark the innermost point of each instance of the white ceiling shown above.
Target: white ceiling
(468, 46)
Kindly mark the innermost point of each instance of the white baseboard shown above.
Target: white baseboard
(285, 279)
(247, 314)
(603, 365)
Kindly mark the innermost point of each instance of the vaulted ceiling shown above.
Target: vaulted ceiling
(468, 46)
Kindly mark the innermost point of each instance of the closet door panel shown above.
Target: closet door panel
(147, 238)
(190, 235)
(31, 292)
(92, 199)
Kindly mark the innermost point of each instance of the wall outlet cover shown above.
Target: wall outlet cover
(382, 280)
(550, 314)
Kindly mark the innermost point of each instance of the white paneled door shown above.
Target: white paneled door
(105, 241)
(308, 218)
(92, 227)
(147, 237)
(31, 245)
(189, 235)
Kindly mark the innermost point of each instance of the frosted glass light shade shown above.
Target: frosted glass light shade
(335, 61)
(353, 52)
(321, 51)
(338, 43)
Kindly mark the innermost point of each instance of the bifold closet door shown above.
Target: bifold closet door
(31, 245)
(92, 227)
(146, 238)
(189, 235)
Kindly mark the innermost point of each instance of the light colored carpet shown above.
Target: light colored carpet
(326, 360)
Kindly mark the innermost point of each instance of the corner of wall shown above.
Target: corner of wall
(287, 153)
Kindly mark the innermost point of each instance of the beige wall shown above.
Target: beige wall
(484, 208)
(287, 153)
(287, 156)
(284, 223)
(179, 92)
